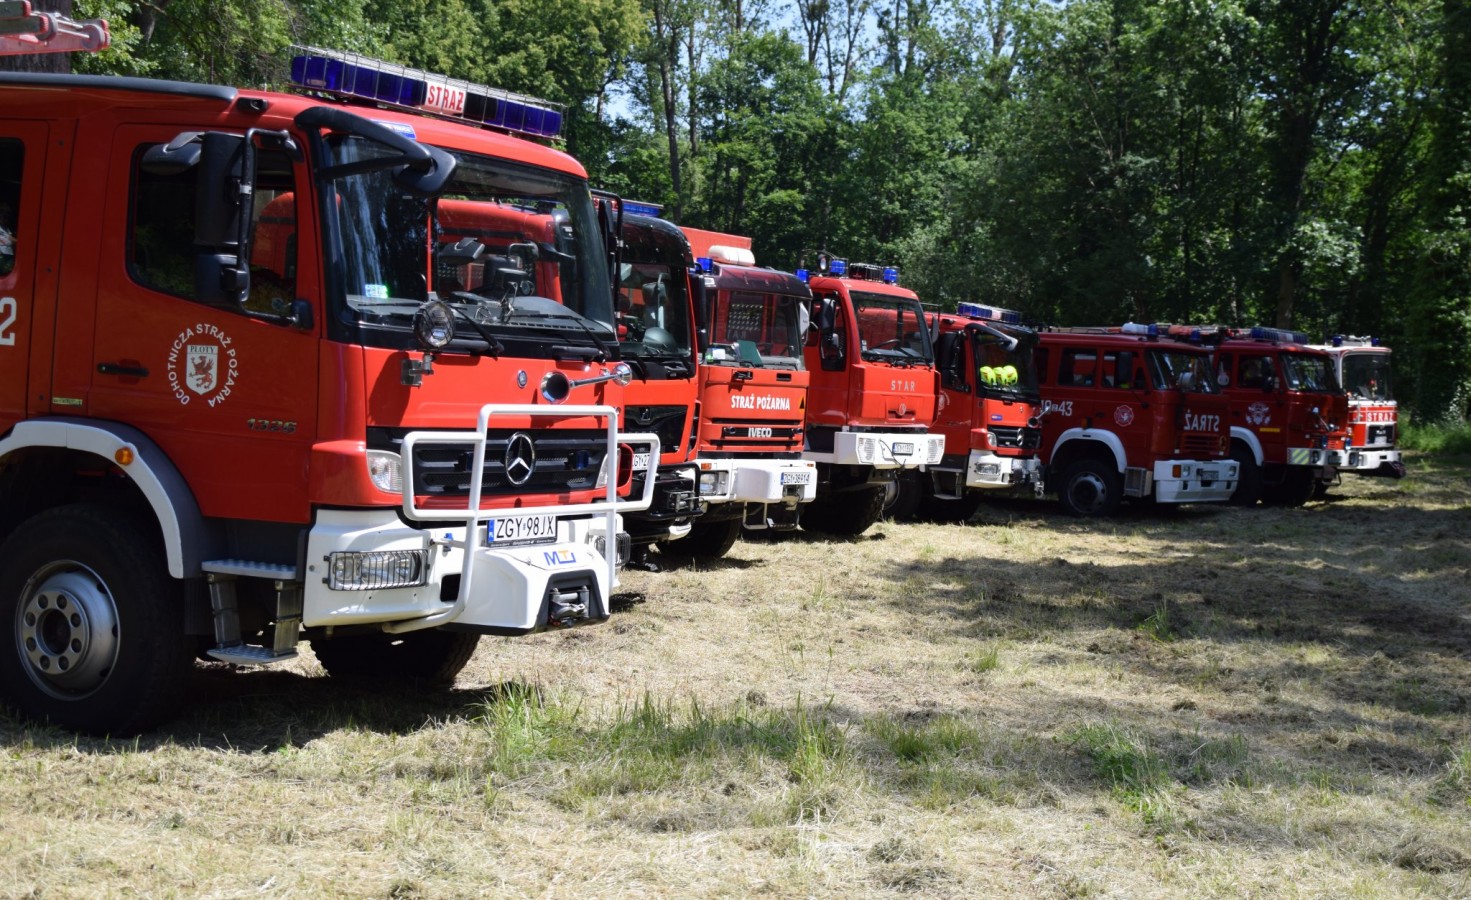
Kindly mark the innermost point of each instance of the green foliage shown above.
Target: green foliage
(1453, 439)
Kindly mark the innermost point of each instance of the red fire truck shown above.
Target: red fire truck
(872, 397)
(986, 412)
(1288, 414)
(258, 383)
(1129, 412)
(747, 442)
(1362, 366)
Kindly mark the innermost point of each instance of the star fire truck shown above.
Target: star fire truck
(259, 382)
(872, 396)
(1130, 412)
(988, 403)
(744, 449)
(1288, 414)
(1362, 366)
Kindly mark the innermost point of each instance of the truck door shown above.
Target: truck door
(232, 398)
(22, 165)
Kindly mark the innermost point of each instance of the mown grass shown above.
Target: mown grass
(1192, 702)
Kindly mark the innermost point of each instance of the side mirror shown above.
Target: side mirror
(950, 353)
(702, 309)
(829, 341)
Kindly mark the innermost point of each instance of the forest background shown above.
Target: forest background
(1303, 163)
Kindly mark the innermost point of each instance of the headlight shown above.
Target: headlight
(376, 570)
(385, 468)
(713, 482)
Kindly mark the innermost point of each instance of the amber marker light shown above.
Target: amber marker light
(124, 456)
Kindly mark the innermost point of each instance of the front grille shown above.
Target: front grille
(1381, 435)
(1200, 446)
(778, 435)
(566, 460)
(1016, 437)
(665, 421)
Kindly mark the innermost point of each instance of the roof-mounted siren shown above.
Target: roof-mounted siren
(1282, 335)
(731, 256)
(364, 78)
(1350, 340)
(988, 313)
(640, 208)
(23, 31)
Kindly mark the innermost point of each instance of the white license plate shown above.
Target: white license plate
(640, 461)
(506, 531)
(796, 478)
(903, 449)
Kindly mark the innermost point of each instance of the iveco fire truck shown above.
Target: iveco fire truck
(261, 379)
(1129, 412)
(986, 411)
(1288, 414)
(872, 397)
(1363, 369)
(747, 440)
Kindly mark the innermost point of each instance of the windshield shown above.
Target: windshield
(653, 311)
(753, 328)
(891, 329)
(1366, 376)
(513, 249)
(1003, 371)
(1308, 372)
(1181, 369)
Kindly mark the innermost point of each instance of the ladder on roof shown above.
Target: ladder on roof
(23, 31)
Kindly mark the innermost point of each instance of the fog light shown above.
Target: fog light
(385, 468)
(376, 570)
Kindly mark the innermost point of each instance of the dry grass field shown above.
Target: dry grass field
(1192, 702)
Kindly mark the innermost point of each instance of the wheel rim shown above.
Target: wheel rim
(67, 630)
(891, 494)
(1088, 493)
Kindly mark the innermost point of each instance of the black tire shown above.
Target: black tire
(903, 495)
(1321, 488)
(951, 511)
(1295, 489)
(1249, 477)
(91, 625)
(1090, 489)
(433, 656)
(847, 513)
(706, 540)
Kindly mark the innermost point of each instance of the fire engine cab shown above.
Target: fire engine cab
(1363, 369)
(1130, 412)
(260, 379)
(872, 397)
(986, 412)
(1288, 414)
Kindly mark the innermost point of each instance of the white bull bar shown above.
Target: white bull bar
(473, 513)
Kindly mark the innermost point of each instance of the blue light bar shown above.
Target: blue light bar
(803, 275)
(990, 314)
(838, 268)
(1261, 333)
(639, 208)
(704, 263)
(365, 78)
(891, 275)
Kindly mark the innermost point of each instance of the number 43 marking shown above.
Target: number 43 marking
(8, 311)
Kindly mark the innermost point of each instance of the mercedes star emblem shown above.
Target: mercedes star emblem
(520, 458)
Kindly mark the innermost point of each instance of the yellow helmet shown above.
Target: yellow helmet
(988, 374)
(1008, 375)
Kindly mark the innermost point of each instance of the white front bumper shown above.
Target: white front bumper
(509, 585)
(1196, 482)
(1370, 460)
(883, 450)
(988, 470)
(756, 480)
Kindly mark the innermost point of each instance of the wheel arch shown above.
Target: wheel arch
(1252, 442)
(171, 502)
(1077, 443)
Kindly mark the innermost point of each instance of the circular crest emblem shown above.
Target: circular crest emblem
(1124, 416)
(202, 363)
(520, 461)
(521, 378)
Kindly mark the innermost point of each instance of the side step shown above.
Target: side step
(229, 645)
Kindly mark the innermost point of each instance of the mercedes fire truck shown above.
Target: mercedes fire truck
(262, 379)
